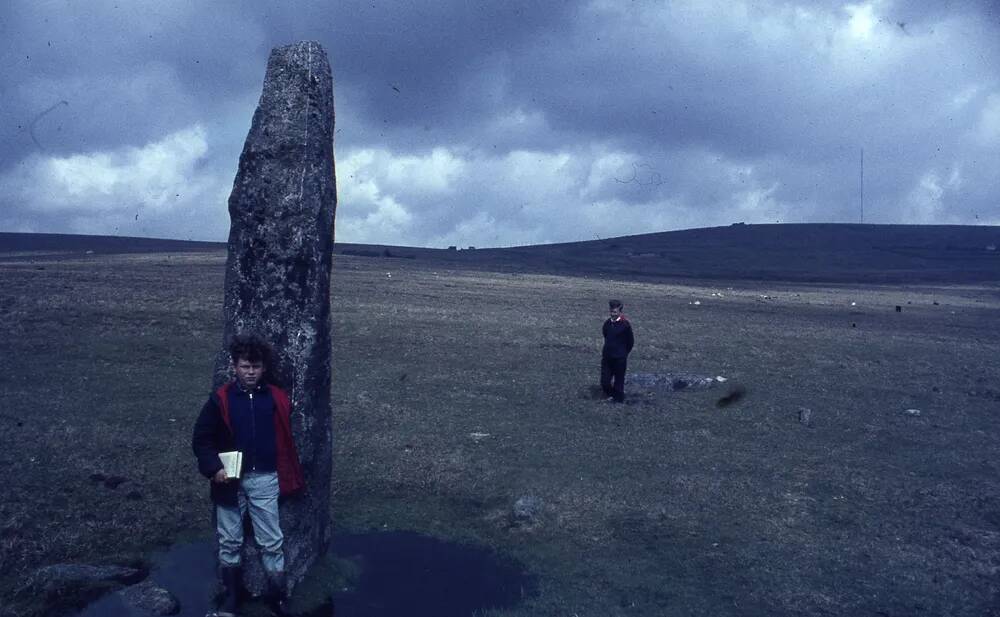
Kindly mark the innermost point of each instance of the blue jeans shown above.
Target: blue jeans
(258, 495)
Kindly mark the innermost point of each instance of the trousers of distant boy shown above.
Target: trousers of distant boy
(613, 377)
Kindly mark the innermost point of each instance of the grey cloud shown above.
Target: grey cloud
(719, 110)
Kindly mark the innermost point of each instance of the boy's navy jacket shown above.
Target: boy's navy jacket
(213, 433)
(618, 338)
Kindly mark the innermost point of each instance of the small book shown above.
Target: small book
(233, 462)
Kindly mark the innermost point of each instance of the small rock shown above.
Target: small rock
(805, 416)
(134, 496)
(477, 437)
(526, 509)
(146, 596)
(912, 412)
(97, 477)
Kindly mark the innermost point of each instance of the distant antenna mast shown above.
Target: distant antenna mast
(861, 186)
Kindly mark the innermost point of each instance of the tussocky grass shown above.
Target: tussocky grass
(667, 506)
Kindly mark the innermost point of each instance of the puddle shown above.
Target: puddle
(404, 573)
(398, 573)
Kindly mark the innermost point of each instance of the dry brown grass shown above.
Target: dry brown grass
(671, 506)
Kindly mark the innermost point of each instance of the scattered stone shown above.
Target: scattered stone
(720, 379)
(97, 477)
(477, 437)
(912, 412)
(134, 496)
(805, 416)
(526, 510)
(669, 381)
(935, 389)
(62, 576)
(146, 596)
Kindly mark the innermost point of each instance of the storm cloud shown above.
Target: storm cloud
(496, 124)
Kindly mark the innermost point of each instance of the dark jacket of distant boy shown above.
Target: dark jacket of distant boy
(618, 338)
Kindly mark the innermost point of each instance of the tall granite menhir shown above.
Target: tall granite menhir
(278, 276)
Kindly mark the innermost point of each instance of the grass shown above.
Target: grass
(669, 506)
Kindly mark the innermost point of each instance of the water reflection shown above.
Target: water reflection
(395, 573)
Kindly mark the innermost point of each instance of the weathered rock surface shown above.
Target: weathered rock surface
(278, 275)
(58, 577)
(669, 381)
(526, 511)
(147, 597)
(805, 416)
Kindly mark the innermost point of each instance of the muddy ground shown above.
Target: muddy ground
(457, 392)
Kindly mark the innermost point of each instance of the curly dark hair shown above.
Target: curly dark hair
(252, 348)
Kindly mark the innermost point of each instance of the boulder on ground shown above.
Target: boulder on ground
(526, 511)
(60, 577)
(147, 597)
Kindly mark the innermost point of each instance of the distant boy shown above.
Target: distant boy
(252, 416)
(618, 342)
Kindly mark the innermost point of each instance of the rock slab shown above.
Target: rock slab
(56, 578)
(150, 599)
(277, 283)
(669, 381)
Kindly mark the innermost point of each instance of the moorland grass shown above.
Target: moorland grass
(667, 506)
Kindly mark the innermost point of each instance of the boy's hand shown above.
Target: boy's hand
(220, 476)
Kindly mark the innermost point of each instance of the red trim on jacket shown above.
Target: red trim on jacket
(290, 478)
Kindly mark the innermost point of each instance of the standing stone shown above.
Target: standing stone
(278, 277)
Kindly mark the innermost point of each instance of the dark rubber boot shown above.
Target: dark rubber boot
(232, 578)
(277, 592)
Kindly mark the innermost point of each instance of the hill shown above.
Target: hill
(790, 252)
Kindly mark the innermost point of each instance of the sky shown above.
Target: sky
(510, 123)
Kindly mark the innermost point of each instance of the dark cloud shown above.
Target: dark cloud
(496, 123)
